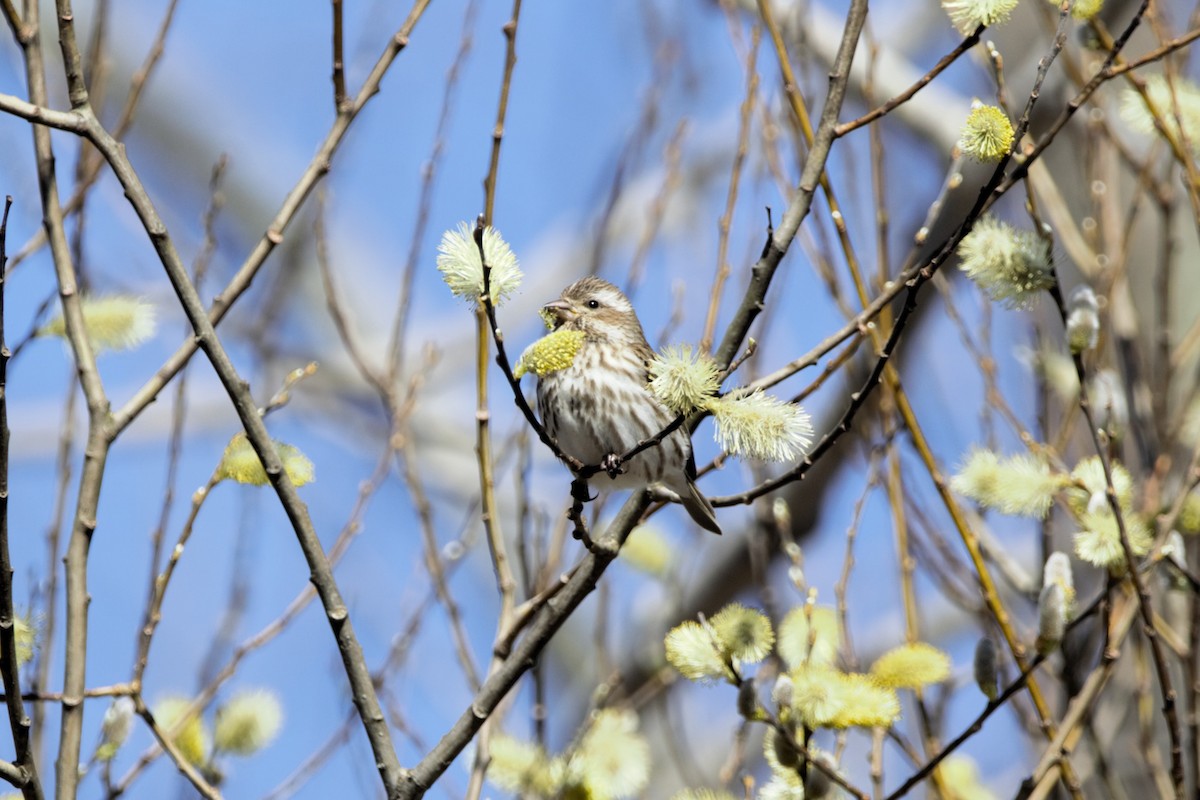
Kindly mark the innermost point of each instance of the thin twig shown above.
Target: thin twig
(154, 607)
(992, 706)
(735, 175)
(429, 173)
(90, 162)
(363, 693)
(484, 332)
(801, 202)
(18, 720)
(902, 98)
(1144, 602)
(95, 454)
(510, 62)
(339, 73)
(549, 619)
(178, 414)
(166, 740)
(270, 631)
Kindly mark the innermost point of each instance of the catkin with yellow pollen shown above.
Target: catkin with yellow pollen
(554, 351)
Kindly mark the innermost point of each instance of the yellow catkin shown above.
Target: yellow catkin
(551, 353)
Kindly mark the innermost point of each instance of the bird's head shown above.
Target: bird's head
(596, 307)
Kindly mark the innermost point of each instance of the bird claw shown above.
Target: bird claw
(580, 492)
(613, 465)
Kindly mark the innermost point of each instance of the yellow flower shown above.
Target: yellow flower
(967, 15)
(816, 696)
(1057, 570)
(864, 704)
(987, 135)
(613, 759)
(1083, 320)
(1090, 473)
(960, 776)
(248, 722)
(703, 794)
(808, 635)
(523, 768)
(648, 551)
(1189, 515)
(692, 649)
(115, 728)
(1021, 484)
(1083, 9)
(911, 666)
(462, 270)
(683, 379)
(1057, 370)
(744, 633)
(1011, 266)
(1167, 98)
(1052, 617)
(824, 697)
(1099, 542)
(781, 757)
(552, 352)
(25, 636)
(115, 322)
(761, 426)
(783, 787)
(191, 738)
(240, 463)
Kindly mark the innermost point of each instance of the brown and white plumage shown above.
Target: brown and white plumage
(601, 406)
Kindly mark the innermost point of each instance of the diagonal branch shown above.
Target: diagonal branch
(105, 429)
(321, 573)
(801, 202)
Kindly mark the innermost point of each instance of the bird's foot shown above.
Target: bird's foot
(579, 496)
(613, 465)
(580, 492)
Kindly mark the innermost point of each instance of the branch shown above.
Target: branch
(801, 203)
(12, 773)
(63, 120)
(100, 437)
(321, 574)
(484, 323)
(339, 74)
(902, 98)
(96, 450)
(167, 743)
(18, 720)
(89, 166)
(510, 62)
(557, 610)
(1144, 603)
(992, 707)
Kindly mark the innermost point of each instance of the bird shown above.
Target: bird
(601, 405)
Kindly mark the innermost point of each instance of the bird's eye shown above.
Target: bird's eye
(593, 303)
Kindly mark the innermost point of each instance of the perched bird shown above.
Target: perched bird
(600, 405)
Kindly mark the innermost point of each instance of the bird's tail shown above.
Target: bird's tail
(699, 508)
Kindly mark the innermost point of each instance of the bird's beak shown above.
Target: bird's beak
(560, 310)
